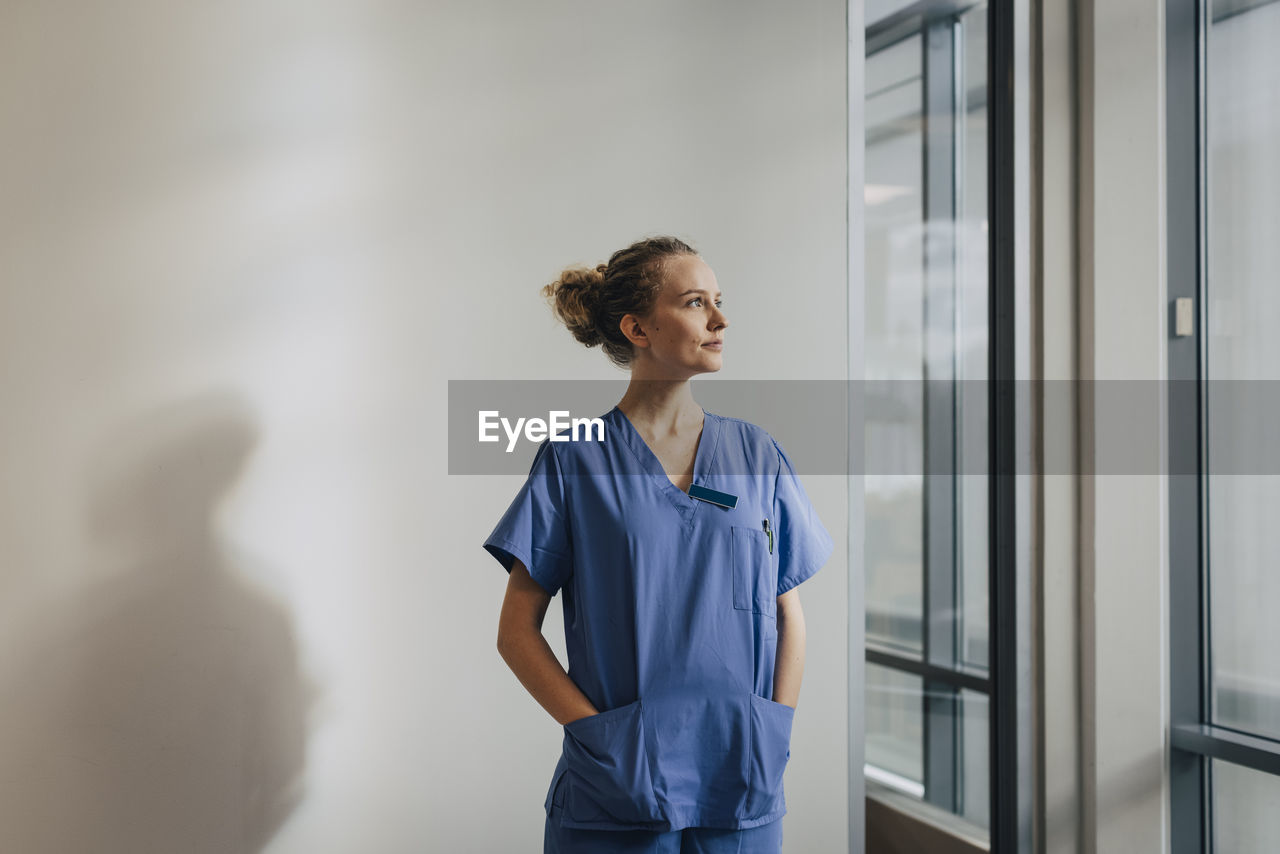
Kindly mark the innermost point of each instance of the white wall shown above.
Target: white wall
(243, 607)
(1058, 607)
(1104, 562)
(1124, 517)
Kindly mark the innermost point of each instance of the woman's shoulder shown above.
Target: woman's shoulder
(746, 447)
(747, 430)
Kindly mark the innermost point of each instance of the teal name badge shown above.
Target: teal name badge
(724, 499)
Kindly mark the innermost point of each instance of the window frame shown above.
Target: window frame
(1007, 683)
(1194, 739)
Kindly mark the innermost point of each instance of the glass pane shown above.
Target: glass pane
(894, 346)
(895, 729)
(972, 356)
(1245, 817)
(975, 758)
(925, 317)
(1243, 131)
(895, 742)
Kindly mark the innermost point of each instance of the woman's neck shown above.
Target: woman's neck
(664, 407)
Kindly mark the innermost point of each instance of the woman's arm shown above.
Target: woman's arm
(527, 653)
(789, 668)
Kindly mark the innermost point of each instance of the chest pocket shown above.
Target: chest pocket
(754, 585)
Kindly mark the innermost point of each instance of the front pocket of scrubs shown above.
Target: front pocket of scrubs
(770, 750)
(555, 795)
(609, 769)
(753, 584)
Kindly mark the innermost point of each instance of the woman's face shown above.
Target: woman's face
(684, 333)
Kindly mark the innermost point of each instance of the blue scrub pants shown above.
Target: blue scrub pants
(764, 839)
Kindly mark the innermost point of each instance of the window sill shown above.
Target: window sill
(900, 823)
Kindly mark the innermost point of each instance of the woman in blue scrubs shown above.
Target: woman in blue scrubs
(676, 543)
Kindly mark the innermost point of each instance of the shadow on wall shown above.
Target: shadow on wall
(160, 707)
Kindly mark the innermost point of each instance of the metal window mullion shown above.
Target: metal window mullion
(958, 679)
(1229, 745)
(1009, 805)
(940, 699)
(1190, 793)
(1200, 136)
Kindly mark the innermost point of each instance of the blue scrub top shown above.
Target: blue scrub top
(670, 620)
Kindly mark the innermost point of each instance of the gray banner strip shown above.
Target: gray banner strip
(809, 419)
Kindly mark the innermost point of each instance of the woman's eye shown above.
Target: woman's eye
(719, 302)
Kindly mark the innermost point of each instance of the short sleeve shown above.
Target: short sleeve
(803, 542)
(535, 527)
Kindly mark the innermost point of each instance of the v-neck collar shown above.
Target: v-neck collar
(649, 462)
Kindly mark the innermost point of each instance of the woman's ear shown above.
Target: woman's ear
(630, 326)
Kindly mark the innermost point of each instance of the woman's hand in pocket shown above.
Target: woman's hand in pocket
(526, 651)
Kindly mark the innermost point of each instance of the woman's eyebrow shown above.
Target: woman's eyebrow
(699, 291)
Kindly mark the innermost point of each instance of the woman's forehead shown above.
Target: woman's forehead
(689, 273)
